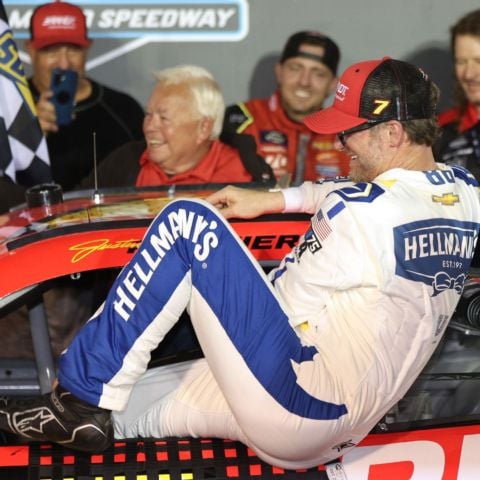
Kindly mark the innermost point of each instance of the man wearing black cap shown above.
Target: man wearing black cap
(300, 365)
(306, 76)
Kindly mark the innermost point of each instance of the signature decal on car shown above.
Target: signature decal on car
(87, 248)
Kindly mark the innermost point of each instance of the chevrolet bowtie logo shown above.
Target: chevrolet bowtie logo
(446, 199)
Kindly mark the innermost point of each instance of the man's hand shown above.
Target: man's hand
(46, 112)
(244, 203)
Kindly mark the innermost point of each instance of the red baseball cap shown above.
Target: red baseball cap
(375, 91)
(58, 22)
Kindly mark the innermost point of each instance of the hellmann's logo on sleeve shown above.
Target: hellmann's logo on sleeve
(436, 252)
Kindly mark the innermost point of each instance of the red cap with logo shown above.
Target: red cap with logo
(58, 22)
(375, 91)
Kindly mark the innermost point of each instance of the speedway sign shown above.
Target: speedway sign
(157, 20)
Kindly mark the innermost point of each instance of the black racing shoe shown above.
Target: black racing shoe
(58, 417)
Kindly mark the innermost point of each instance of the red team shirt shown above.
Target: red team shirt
(286, 145)
(465, 120)
(459, 142)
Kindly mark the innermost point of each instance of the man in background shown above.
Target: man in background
(182, 144)
(59, 39)
(306, 76)
(460, 139)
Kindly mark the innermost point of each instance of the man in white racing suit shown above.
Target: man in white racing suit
(299, 365)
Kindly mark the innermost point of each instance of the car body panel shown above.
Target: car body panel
(81, 235)
(434, 454)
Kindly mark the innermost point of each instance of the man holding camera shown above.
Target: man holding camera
(59, 40)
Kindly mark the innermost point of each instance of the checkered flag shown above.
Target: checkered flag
(23, 148)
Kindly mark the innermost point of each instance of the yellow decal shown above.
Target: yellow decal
(12, 68)
(446, 199)
(86, 248)
(382, 105)
(304, 326)
(323, 145)
(388, 183)
(249, 119)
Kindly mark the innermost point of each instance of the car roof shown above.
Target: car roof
(84, 234)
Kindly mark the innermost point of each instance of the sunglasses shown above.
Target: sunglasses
(342, 136)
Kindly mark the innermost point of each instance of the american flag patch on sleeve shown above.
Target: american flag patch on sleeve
(320, 226)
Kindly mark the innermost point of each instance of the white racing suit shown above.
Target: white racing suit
(300, 365)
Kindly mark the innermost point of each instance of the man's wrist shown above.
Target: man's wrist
(293, 198)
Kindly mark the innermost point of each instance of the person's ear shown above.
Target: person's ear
(205, 128)
(396, 133)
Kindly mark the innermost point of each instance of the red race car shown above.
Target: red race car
(432, 433)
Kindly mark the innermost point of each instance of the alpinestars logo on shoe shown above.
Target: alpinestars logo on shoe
(32, 421)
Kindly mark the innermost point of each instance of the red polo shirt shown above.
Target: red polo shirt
(222, 164)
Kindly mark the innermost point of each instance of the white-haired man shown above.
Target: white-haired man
(181, 127)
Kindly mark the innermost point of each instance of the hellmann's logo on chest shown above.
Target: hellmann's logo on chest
(430, 244)
(436, 252)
